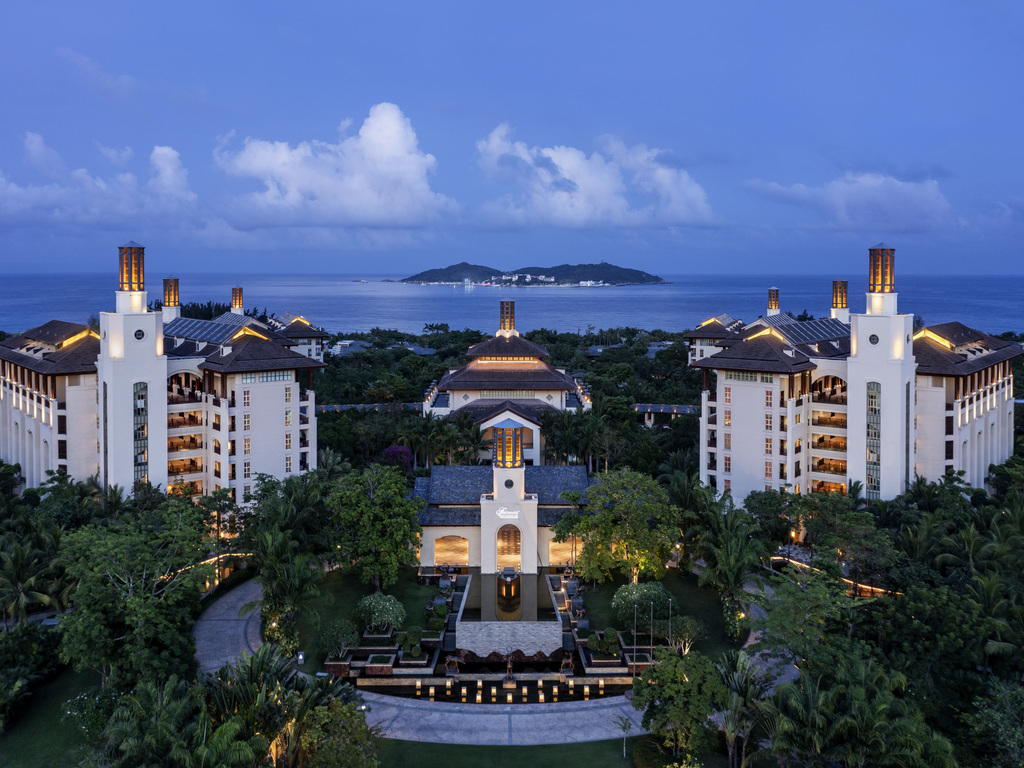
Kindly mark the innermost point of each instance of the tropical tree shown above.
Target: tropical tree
(746, 687)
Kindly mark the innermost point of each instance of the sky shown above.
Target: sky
(390, 137)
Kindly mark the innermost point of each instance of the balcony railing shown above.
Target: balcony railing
(834, 398)
(826, 444)
(179, 423)
(829, 421)
(829, 468)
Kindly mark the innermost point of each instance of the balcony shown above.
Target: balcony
(832, 398)
(187, 421)
(829, 443)
(833, 420)
(829, 467)
(181, 468)
(180, 444)
(177, 395)
(712, 443)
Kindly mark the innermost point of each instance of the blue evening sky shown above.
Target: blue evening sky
(388, 137)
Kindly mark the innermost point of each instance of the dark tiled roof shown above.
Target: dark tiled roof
(464, 485)
(297, 329)
(55, 331)
(450, 515)
(487, 408)
(831, 348)
(249, 354)
(809, 331)
(488, 376)
(712, 330)
(935, 359)
(78, 357)
(765, 353)
(958, 333)
(507, 346)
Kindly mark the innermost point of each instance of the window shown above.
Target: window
(248, 378)
(276, 376)
(727, 464)
(246, 492)
(768, 474)
(726, 485)
(727, 418)
(287, 441)
(768, 446)
(768, 422)
(767, 378)
(288, 417)
(216, 469)
(246, 399)
(798, 418)
(797, 489)
(287, 394)
(287, 463)
(728, 440)
(740, 376)
(247, 446)
(728, 395)
(247, 469)
(768, 487)
(768, 398)
(246, 422)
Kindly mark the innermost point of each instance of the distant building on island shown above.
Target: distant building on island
(816, 405)
(189, 406)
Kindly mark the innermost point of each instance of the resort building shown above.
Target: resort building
(186, 405)
(507, 378)
(814, 405)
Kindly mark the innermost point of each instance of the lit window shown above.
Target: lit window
(288, 418)
(768, 422)
(768, 398)
(798, 418)
(727, 464)
(246, 398)
(246, 422)
(768, 475)
(246, 470)
(727, 418)
(768, 446)
(287, 394)
(728, 440)
(287, 441)
(768, 488)
(728, 395)
(726, 485)
(247, 446)
(798, 489)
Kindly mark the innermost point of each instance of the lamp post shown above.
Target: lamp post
(651, 657)
(634, 632)
(670, 623)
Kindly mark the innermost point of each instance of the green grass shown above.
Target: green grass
(38, 738)
(340, 593)
(687, 599)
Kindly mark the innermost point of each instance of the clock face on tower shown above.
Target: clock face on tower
(140, 334)
(873, 339)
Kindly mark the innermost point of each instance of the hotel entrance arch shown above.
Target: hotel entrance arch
(509, 544)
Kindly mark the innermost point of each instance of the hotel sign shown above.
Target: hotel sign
(504, 513)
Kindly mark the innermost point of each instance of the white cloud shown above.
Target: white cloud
(377, 178)
(563, 186)
(42, 157)
(117, 157)
(80, 198)
(868, 200)
(114, 86)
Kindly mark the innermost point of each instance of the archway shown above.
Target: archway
(509, 542)
(453, 550)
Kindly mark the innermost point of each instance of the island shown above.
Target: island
(564, 274)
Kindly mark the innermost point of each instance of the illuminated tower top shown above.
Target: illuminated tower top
(773, 301)
(507, 324)
(508, 445)
(172, 305)
(881, 280)
(132, 257)
(236, 300)
(840, 305)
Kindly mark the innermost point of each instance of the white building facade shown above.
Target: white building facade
(189, 406)
(813, 406)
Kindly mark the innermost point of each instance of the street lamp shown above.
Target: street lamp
(670, 623)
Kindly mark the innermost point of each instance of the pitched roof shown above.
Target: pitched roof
(78, 356)
(808, 331)
(486, 409)
(765, 352)
(250, 354)
(972, 350)
(55, 332)
(464, 485)
(481, 375)
(507, 346)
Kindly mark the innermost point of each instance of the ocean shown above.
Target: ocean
(345, 303)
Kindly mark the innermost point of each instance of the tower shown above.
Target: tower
(881, 385)
(132, 376)
(171, 305)
(508, 514)
(840, 306)
(236, 300)
(773, 302)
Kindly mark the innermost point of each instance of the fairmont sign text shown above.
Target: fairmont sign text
(504, 513)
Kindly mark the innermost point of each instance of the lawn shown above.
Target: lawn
(687, 598)
(38, 739)
(593, 754)
(339, 595)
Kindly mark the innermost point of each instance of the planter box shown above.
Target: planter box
(379, 665)
(637, 661)
(432, 642)
(424, 659)
(338, 667)
(383, 638)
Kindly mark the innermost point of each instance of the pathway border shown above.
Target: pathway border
(221, 635)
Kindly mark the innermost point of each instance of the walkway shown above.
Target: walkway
(221, 636)
(500, 724)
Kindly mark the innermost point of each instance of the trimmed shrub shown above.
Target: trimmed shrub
(641, 596)
(378, 611)
(337, 638)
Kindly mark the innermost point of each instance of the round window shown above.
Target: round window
(509, 483)
(873, 339)
(140, 334)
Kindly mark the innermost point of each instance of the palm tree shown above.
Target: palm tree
(24, 572)
(746, 687)
(798, 721)
(150, 725)
(969, 549)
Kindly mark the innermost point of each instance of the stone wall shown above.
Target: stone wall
(530, 637)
